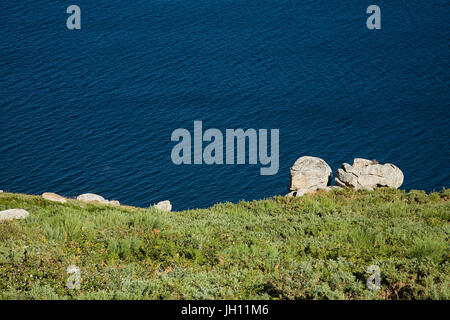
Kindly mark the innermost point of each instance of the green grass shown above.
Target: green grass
(314, 247)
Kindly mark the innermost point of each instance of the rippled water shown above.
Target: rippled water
(93, 110)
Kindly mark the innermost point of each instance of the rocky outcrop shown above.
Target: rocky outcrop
(91, 197)
(309, 174)
(164, 205)
(367, 174)
(53, 197)
(12, 214)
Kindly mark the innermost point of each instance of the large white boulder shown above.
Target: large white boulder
(309, 174)
(367, 174)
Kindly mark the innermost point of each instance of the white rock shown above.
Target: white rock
(13, 214)
(366, 174)
(359, 163)
(346, 178)
(309, 173)
(90, 197)
(164, 205)
(53, 197)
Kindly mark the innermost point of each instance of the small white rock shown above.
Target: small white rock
(13, 214)
(164, 205)
(114, 202)
(53, 197)
(89, 197)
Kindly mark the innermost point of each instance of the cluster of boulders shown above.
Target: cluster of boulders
(91, 197)
(86, 197)
(309, 174)
(11, 214)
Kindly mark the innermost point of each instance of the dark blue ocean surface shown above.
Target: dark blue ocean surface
(93, 110)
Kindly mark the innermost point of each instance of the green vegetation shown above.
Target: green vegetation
(315, 247)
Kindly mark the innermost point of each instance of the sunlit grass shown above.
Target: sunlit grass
(313, 247)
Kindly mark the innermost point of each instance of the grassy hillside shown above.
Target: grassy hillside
(315, 247)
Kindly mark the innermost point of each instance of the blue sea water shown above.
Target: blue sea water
(92, 110)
